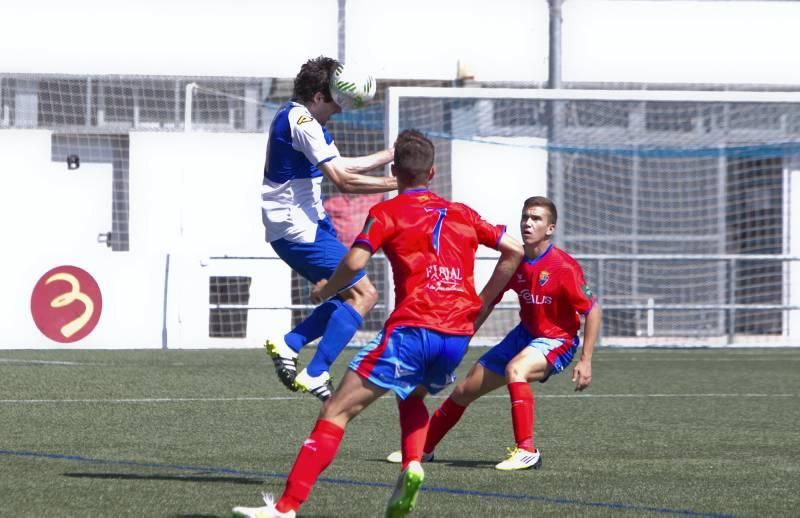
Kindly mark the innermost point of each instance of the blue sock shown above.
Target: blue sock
(343, 324)
(313, 326)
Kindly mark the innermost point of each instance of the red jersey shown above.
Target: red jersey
(431, 244)
(552, 291)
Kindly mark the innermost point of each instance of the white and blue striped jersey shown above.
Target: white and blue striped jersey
(291, 196)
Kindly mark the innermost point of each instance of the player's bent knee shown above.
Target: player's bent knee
(462, 396)
(332, 411)
(371, 296)
(515, 372)
(362, 295)
(370, 293)
(419, 392)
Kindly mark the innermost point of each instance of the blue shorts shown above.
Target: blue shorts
(410, 356)
(557, 351)
(318, 260)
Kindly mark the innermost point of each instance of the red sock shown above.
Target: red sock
(522, 414)
(316, 454)
(445, 417)
(413, 427)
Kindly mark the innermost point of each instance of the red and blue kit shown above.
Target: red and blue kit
(552, 292)
(431, 244)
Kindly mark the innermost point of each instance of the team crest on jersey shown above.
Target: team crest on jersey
(544, 276)
(587, 291)
(303, 119)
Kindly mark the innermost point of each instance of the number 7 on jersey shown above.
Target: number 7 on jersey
(437, 228)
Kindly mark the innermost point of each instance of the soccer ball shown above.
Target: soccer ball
(352, 88)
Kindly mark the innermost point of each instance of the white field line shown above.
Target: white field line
(312, 400)
(42, 362)
(630, 356)
(667, 358)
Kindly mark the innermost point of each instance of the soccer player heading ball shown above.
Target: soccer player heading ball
(431, 244)
(300, 151)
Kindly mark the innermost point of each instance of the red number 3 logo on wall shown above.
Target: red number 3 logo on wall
(66, 304)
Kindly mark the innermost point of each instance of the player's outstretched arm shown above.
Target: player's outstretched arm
(511, 254)
(486, 310)
(347, 173)
(582, 372)
(355, 260)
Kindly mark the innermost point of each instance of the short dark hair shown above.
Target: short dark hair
(413, 155)
(314, 76)
(541, 201)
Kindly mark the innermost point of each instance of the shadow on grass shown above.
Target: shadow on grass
(180, 478)
(457, 463)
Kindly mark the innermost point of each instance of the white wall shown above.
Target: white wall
(51, 217)
(603, 40)
(191, 196)
(196, 195)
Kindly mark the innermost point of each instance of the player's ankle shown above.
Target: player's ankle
(287, 503)
(526, 445)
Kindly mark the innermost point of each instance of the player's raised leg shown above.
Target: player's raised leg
(284, 355)
(336, 320)
(354, 303)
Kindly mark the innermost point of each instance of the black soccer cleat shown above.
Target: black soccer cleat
(285, 362)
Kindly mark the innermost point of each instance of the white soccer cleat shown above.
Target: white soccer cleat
(319, 386)
(404, 497)
(285, 361)
(520, 459)
(267, 511)
(396, 457)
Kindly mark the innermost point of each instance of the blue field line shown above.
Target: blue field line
(358, 483)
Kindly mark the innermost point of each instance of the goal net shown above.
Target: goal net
(678, 204)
